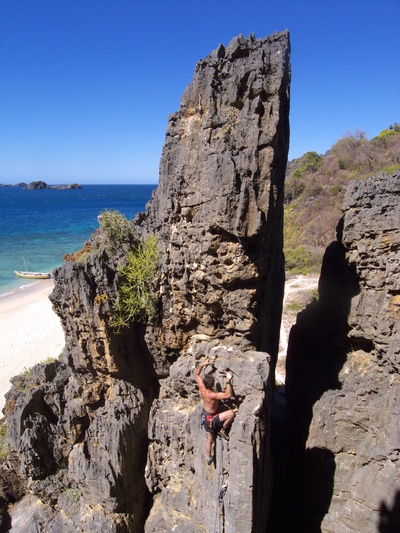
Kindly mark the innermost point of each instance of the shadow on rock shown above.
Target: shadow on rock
(317, 350)
(390, 516)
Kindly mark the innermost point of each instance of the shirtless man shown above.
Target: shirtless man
(215, 417)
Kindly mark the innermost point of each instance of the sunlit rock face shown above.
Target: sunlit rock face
(218, 208)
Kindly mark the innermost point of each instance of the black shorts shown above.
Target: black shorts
(211, 422)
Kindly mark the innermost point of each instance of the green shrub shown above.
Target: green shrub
(302, 260)
(294, 187)
(136, 298)
(295, 307)
(48, 360)
(391, 168)
(297, 174)
(385, 133)
(311, 161)
(116, 229)
(334, 190)
(315, 295)
(395, 127)
(314, 189)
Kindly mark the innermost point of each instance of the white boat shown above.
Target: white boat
(32, 275)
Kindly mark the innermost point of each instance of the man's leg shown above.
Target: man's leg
(226, 418)
(209, 443)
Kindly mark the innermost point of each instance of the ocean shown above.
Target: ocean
(38, 227)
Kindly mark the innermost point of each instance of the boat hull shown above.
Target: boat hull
(33, 275)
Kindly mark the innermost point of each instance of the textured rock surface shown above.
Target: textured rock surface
(218, 210)
(220, 189)
(348, 372)
(79, 426)
(85, 428)
(231, 495)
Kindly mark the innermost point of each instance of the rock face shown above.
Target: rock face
(233, 493)
(220, 188)
(343, 380)
(110, 434)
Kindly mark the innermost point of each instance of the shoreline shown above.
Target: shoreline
(30, 331)
(30, 286)
(11, 284)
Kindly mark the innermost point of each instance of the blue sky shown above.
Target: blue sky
(86, 86)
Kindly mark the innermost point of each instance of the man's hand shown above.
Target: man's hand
(205, 362)
(202, 365)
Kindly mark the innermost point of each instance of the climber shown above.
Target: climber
(215, 418)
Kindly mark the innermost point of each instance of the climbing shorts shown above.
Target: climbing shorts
(211, 422)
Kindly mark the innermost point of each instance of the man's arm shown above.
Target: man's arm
(198, 370)
(228, 392)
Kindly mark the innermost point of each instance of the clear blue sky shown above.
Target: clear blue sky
(86, 86)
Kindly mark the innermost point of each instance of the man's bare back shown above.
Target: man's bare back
(210, 402)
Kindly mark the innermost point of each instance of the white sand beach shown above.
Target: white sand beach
(30, 331)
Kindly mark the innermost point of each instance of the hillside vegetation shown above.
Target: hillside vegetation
(315, 188)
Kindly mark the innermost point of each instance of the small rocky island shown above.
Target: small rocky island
(42, 185)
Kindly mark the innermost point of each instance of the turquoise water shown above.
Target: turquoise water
(41, 226)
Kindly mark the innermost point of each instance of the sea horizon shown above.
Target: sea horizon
(38, 227)
(60, 184)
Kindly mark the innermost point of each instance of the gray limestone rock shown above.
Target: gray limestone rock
(189, 494)
(350, 379)
(218, 208)
(218, 211)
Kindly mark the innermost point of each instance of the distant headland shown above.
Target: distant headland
(41, 185)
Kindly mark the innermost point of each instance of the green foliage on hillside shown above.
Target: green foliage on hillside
(136, 296)
(315, 188)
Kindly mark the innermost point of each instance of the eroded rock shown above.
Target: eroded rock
(218, 210)
(218, 206)
(227, 494)
(343, 368)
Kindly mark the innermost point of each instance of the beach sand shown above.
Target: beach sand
(30, 331)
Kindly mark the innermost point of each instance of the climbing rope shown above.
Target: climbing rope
(222, 487)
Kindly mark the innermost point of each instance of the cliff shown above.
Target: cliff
(343, 383)
(108, 438)
(218, 207)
